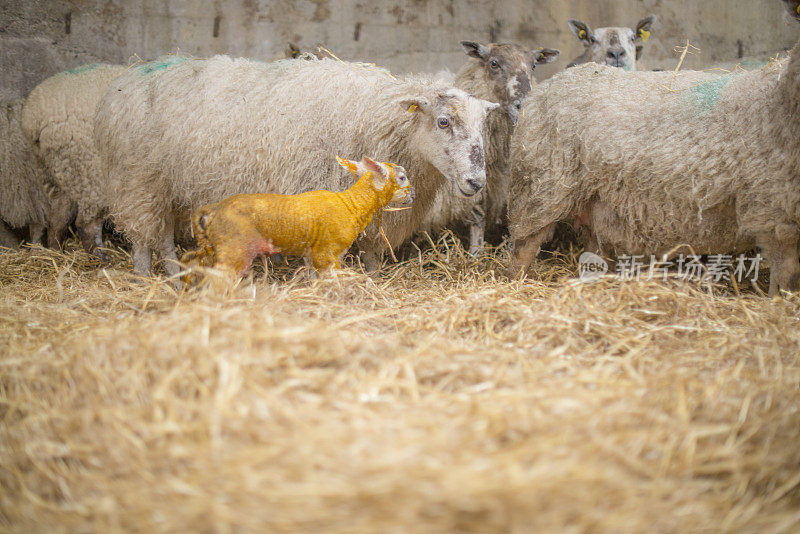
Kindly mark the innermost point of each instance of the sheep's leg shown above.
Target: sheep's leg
(784, 267)
(372, 261)
(166, 250)
(592, 243)
(35, 233)
(477, 228)
(62, 211)
(7, 237)
(90, 231)
(526, 249)
(141, 259)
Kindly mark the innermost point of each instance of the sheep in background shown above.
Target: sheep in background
(177, 134)
(318, 225)
(24, 201)
(713, 163)
(616, 47)
(58, 119)
(500, 73)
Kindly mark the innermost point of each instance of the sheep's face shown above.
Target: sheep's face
(508, 70)
(451, 137)
(793, 7)
(616, 47)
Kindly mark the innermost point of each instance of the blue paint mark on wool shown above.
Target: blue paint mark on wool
(706, 95)
(161, 64)
(82, 68)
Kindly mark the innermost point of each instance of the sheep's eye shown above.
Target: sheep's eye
(494, 64)
(443, 123)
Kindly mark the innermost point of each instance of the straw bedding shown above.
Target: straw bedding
(434, 397)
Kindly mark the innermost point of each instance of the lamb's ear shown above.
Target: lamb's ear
(475, 50)
(793, 7)
(379, 171)
(355, 168)
(412, 105)
(582, 31)
(545, 55)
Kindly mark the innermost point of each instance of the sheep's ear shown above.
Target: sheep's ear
(643, 29)
(475, 50)
(793, 7)
(489, 106)
(545, 55)
(582, 31)
(413, 105)
(379, 171)
(642, 34)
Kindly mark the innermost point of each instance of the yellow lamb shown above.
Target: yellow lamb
(318, 225)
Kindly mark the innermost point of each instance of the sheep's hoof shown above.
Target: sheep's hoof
(476, 252)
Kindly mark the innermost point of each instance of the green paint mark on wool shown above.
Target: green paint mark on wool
(706, 95)
(161, 64)
(82, 68)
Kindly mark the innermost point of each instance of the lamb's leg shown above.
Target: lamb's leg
(784, 267)
(7, 237)
(62, 211)
(477, 228)
(526, 249)
(142, 258)
(324, 260)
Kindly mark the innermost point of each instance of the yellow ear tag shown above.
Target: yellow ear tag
(798, 10)
(582, 34)
(644, 34)
(412, 108)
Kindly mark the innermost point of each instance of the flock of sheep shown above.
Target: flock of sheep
(646, 161)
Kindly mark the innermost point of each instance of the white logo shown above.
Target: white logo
(591, 267)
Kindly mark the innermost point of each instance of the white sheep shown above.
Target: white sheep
(58, 119)
(24, 201)
(177, 134)
(615, 46)
(713, 162)
(501, 73)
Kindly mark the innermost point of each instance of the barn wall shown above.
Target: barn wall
(41, 37)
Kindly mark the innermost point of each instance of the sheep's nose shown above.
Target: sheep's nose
(616, 54)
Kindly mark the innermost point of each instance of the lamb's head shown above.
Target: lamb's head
(617, 47)
(508, 70)
(793, 7)
(388, 179)
(449, 135)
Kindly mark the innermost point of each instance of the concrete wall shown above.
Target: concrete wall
(41, 37)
